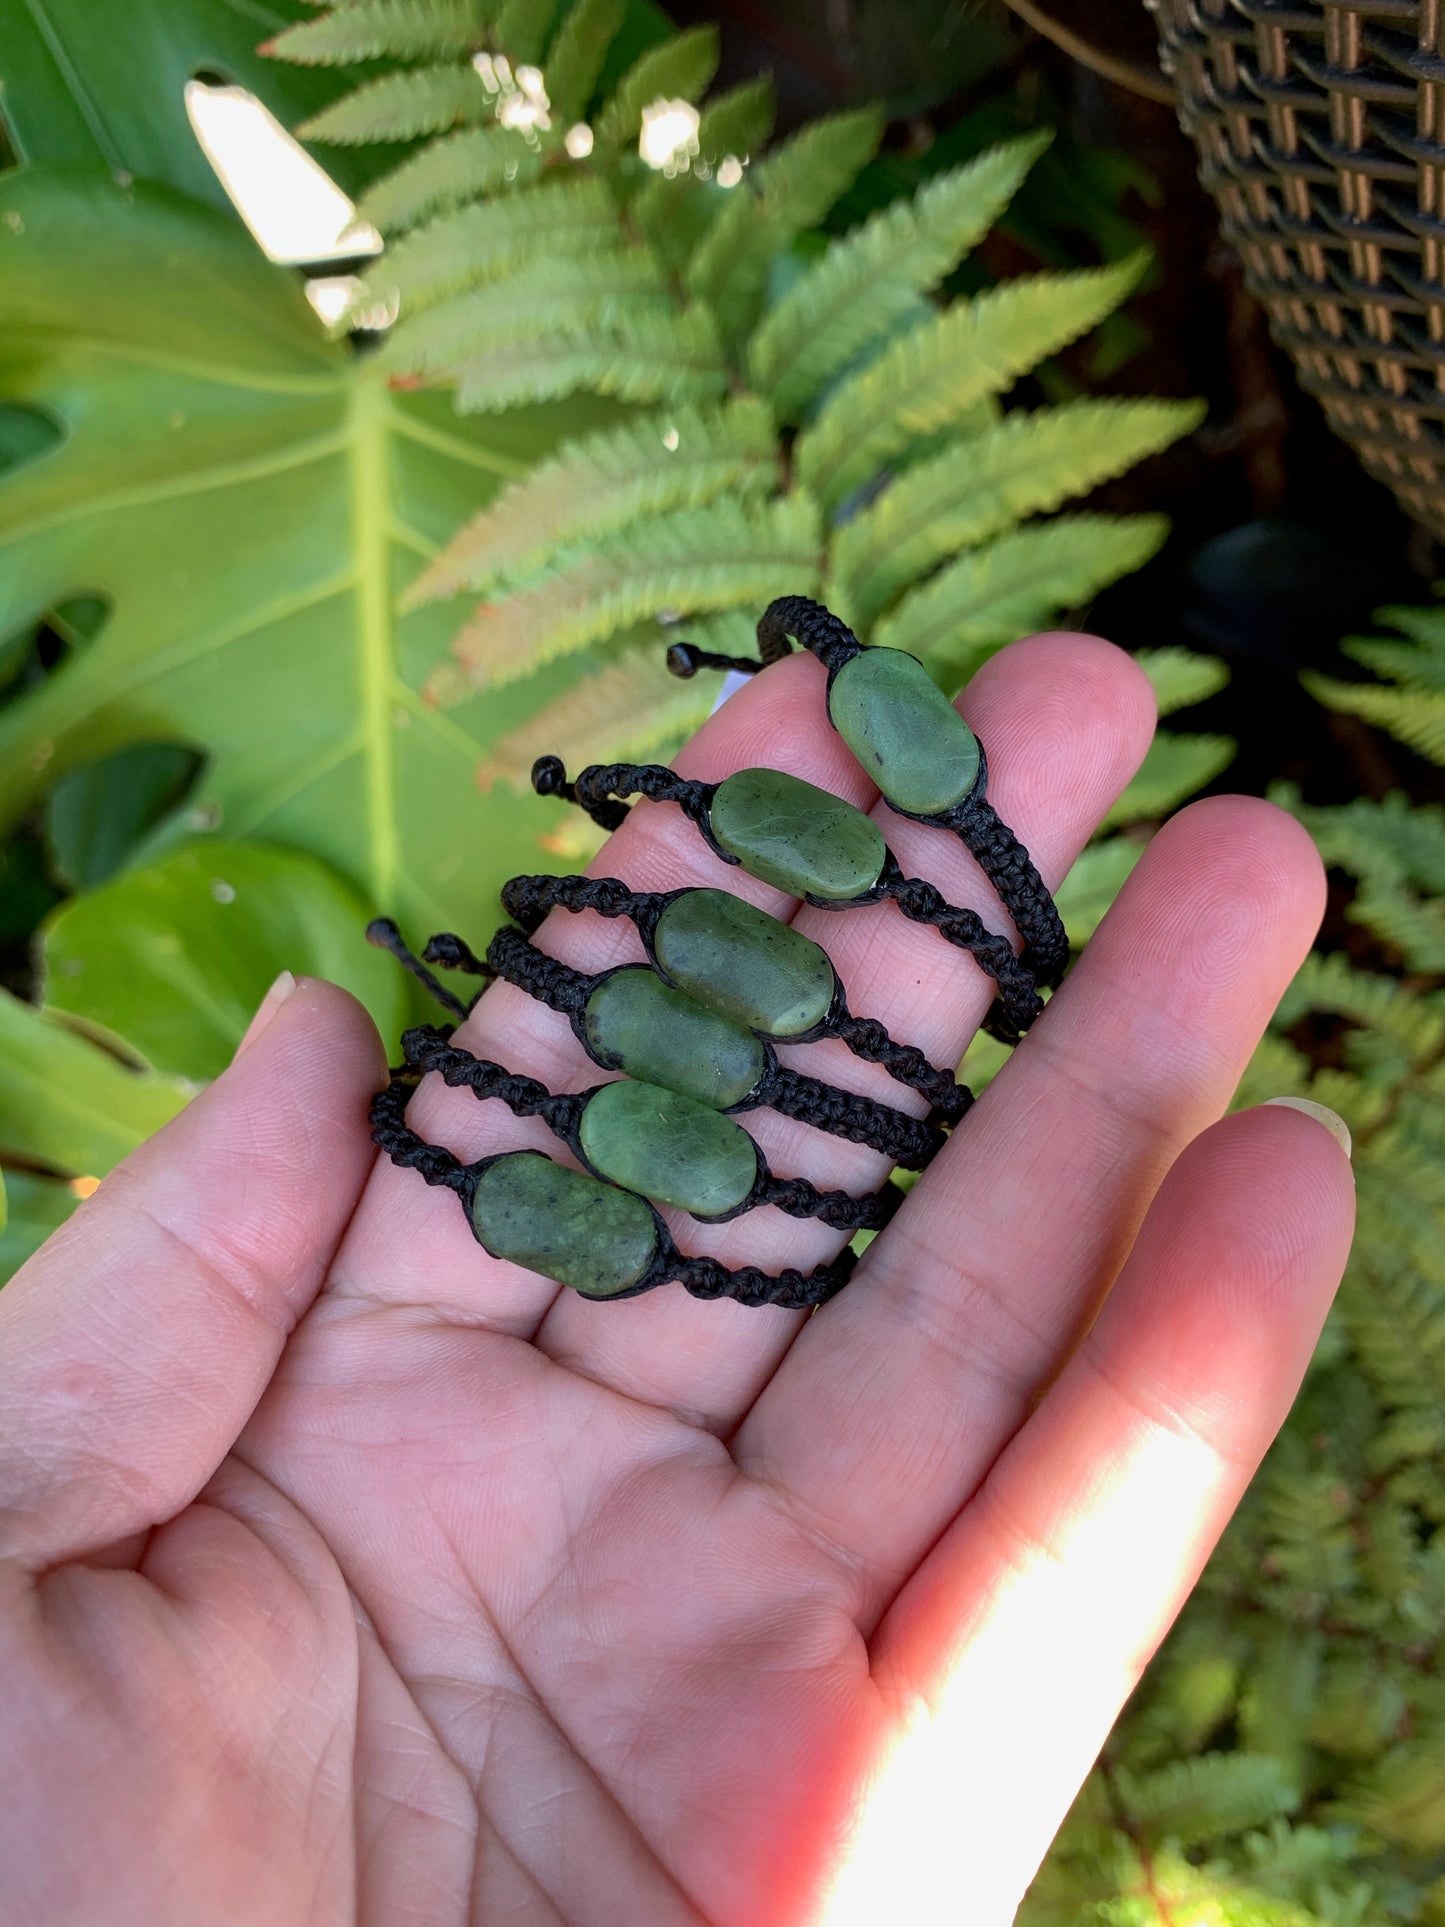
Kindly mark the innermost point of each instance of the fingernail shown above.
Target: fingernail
(266, 1009)
(1322, 1114)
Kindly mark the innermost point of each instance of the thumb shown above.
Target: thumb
(137, 1341)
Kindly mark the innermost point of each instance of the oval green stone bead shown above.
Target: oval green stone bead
(668, 1147)
(565, 1224)
(792, 834)
(904, 731)
(746, 964)
(634, 1022)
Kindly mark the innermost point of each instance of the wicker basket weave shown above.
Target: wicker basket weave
(1321, 134)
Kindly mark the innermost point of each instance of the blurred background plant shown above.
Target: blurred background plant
(332, 494)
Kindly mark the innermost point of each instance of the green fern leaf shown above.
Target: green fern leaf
(720, 557)
(624, 709)
(457, 250)
(557, 295)
(649, 358)
(678, 69)
(375, 29)
(1422, 663)
(577, 53)
(777, 199)
(402, 106)
(597, 485)
(521, 29)
(929, 378)
(1092, 885)
(1174, 768)
(977, 488)
(1014, 585)
(864, 284)
(1180, 677)
(737, 122)
(1193, 1802)
(447, 173)
(1415, 716)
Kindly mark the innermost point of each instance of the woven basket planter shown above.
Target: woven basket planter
(1321, 136)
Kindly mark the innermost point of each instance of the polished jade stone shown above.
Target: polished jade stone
(744, 963)
(792, 834)
(904, 731)
(634, 1022)
(669, 1148)
(566, 1224)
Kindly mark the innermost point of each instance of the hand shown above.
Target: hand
(349, 1575)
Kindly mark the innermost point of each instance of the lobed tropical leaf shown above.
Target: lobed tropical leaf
(647, 358)
(866, 282)
(448, 172)
(1015, 584)
(601, 483)
(929, 378)
(491, 237)
(721, 557)
(377, 29)
(777, 199)
(1024, 465)
(578, 50)
(628, 707)
(558, 294)
(679, 68)
(402, 106)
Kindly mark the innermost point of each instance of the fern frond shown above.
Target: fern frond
(1016, 584)
(737, 122)
(863, 285)
(1092, 885)
(521, 29)
(930, 377)
(1423, 663)
(1415, 716)
(720, 557)
(1415, 929)
(559, 294)
(402, 106)
(1193, 1802)
(677, 69)
(447, 173)
(577, 53)
(457, 250)
(1174, 768)
(623, 709)
(974, 489)
(779, 197)
(649, 358)
(1180, 677)
(603, 482)
(375, 29)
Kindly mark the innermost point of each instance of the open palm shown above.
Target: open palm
(349, 1575)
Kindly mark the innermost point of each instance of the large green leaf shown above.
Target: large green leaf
(36, 1207)
(67, 1104)
(250, 499)
(104, 81)
(170, 960)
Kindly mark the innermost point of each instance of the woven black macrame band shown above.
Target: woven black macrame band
(599, 788)
(702, 1277)
(429, 1048)
(530, 898)
(1000, 855)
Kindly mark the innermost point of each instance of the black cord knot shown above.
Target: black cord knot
(549, 776)
(684, 659)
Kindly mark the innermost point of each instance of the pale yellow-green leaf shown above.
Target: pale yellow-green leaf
(401, 106)
(373, 29)
(930, 377)
(1181, 677)
(448, 172)
(650, 358)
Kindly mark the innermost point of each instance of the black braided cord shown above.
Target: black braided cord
(1000, 855)
(530, 898)
(428, 1048)
(599, 788)
(791, 1289)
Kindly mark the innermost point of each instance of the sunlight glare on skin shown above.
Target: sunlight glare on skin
(1031, 1669)
(289, 202)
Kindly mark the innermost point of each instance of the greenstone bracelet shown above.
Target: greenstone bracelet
(924, 759)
